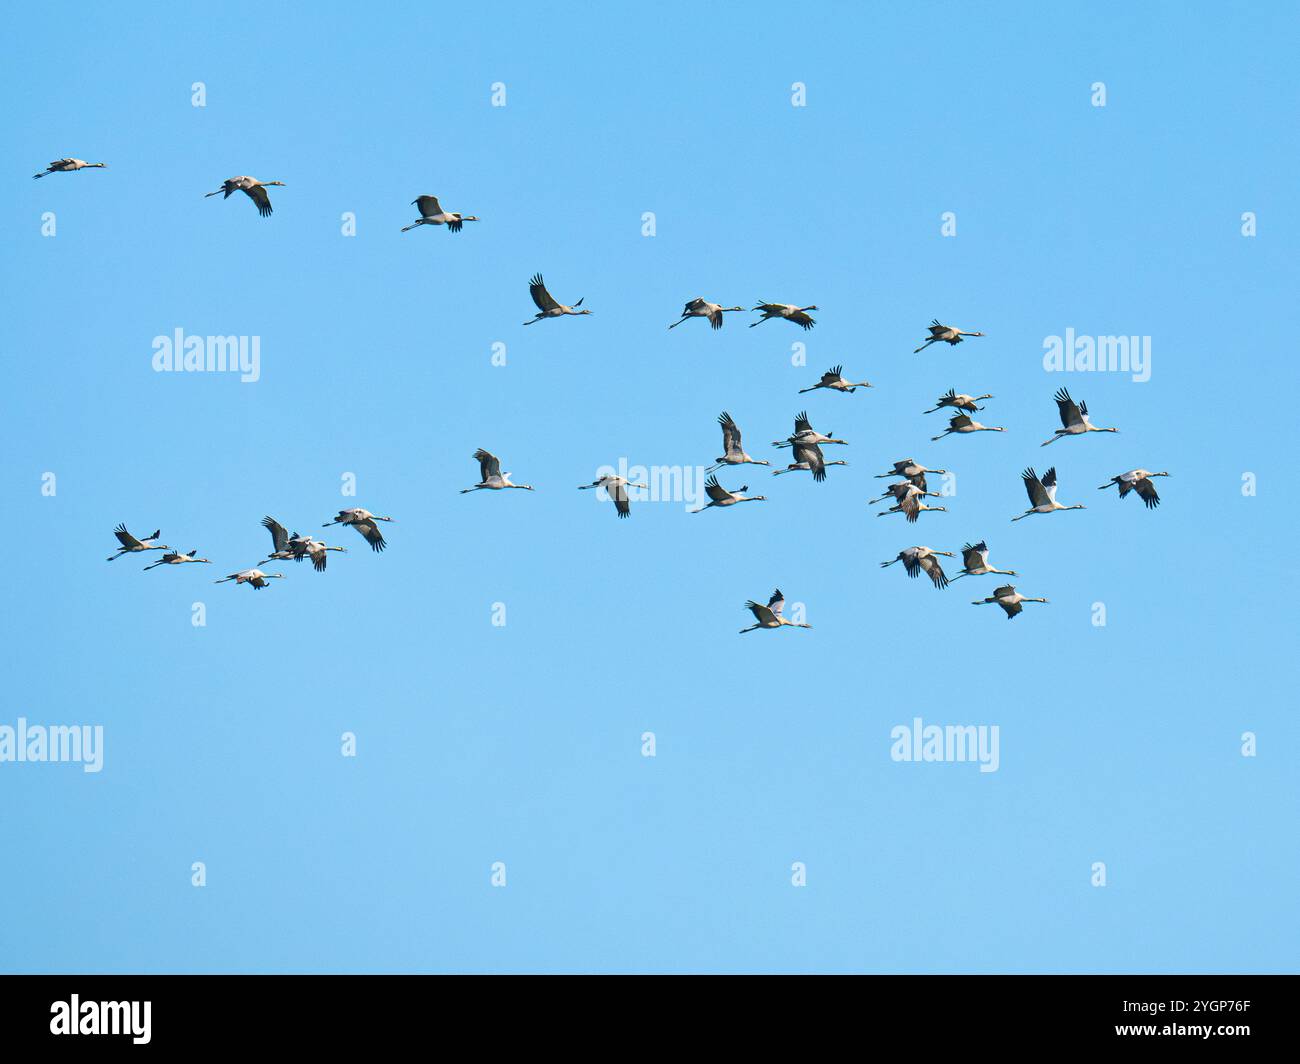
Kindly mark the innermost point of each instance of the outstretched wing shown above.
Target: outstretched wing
(716, 491)
(802, 320)
(934, 571)
(537, 289)
(259, 196)
(1049, 483)
(801, 422)
(812, 455)
(1034, 488)
(1069, 409)
(835, 373)
(428, 205)
(1147, 490)
(973, 556)
(959, 421)
(777, 602)
(489, 465)
(125, 538)
(622, 501)
(730, 434)
(761, 613)
(279, 537)
(373, 536)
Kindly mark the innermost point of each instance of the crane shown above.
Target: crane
(252, 188)
(547, 307)
(699, 307)
(720, 496)
(431, 213)
(1138, 480)
(490, 476)
(1009, 599)
(918, 560)
(732, 451)
(788, 311)
(1074, 416)
(131, 545)
(1042, 494)
(769, 616)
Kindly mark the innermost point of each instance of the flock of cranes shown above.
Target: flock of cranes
(284, 547)
(907, 494)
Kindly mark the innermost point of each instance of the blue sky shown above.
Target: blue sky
(522, 744)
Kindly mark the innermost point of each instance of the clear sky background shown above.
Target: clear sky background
(522, 743)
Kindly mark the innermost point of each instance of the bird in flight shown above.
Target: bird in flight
(699, 307)
(131, 545)
(918, 560)
(252, 188)
(945, 334)
(1042, 494)
(254, 577)
(177, 558)
(68, 166)
(1074, 418)
(788, 311)
(1138, 480)
(958, 402)
(490, 476)
(720, 496)
(364, 522)
(1009, 599)
(769, 616)
(732, 451)
(616, 488)
(431, 213)
(547, 307)
(833, 379)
